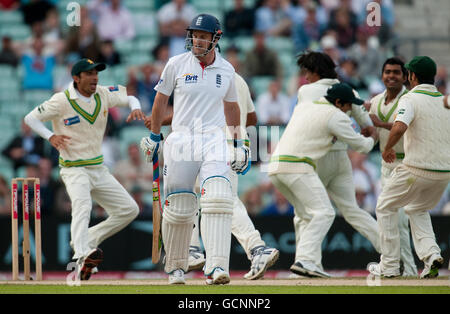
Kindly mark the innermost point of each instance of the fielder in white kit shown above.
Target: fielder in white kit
(205, 102)
(79, 116)
(383, 111)
(334, 169)
(417, 184)
(309, 136)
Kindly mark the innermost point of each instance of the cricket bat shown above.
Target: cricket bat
(157, 212)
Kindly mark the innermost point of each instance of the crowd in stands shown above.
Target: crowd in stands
(251, 30)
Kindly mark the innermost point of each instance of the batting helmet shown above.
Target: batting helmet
(206, 23)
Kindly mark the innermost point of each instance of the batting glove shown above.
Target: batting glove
(150, 146)
(241, 157)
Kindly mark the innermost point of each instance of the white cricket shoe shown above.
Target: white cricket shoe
(177, 277)
(196, 259)
(432, 266)
(263, 257)
(375, 269)
(218, 277)
(308, 269)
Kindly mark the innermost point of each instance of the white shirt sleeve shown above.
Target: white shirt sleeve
(37, 126)
(166, 83)
(405, 111)
(231, 95)
(134, 103)
(340, 126)
(361, 116)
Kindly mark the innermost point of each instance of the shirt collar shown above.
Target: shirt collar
(396, 97)
(426, 87)
(218, 61)
(327, 81)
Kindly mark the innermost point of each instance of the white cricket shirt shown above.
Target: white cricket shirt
(309, 93)
(199, 92)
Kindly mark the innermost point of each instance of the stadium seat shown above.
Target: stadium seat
(10, 17)
(16, 31)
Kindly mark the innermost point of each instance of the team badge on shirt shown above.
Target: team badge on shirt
(218, 80)
(73, 120)
(113, 88)
(190, 78)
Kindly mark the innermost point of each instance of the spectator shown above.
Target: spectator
(49, 186)
(253, 201)
(262, 61)
(329, 46)
(36, 11)
(367, 57)
(52, 33)
(362, 167)
(145, 209)
(5, 197)
(108, 54)
(83, 40)
(7, 54)
(307, 30)
(441, 80)
(232, 56)
(114, 21)
(25, 148)
(145, 87)
(240, 21)
(38, 68)
(133, 171)
(298, 13)
(272, 18)
(343, 22)
(161, 56)
(365, 199)
(278, 207)
(173, 19)
(348, 73)
(273, 107)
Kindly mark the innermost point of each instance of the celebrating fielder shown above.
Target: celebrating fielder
(383, 111)
(309, 136)
(420, 180)
(205, 101)
(79, 116)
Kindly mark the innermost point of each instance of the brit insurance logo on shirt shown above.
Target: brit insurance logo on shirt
(190, 78)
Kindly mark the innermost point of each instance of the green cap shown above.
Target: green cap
(343, 92)
(423, 66)
(84, 65)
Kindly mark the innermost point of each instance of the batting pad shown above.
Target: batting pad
(177, 224)
(216, 203)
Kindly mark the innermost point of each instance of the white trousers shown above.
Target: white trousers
(335, 171)
(312, 206)
(84, 184)
(417, 194)
(403, 227)
(242, 226)
(187, 157)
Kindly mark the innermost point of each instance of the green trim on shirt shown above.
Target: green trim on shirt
(81, 162)
(88, 117)
(388, 116)
(424, 92)
(445, 171)
(288, 158)
(400, 155)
